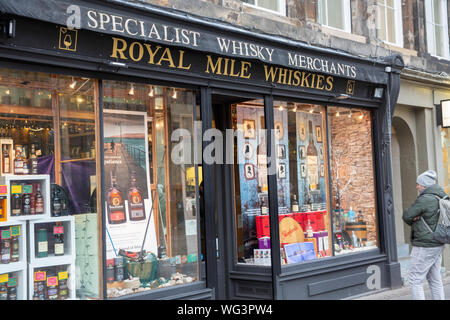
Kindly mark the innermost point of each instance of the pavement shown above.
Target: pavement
(404, 293)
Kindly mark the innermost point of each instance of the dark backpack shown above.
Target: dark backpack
(442, 232)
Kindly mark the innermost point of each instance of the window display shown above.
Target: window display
(151, 225)
(43, 185)
(251, 189)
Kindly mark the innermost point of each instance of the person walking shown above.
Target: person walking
(426, 254)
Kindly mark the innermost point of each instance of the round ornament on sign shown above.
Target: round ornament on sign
(291, 231)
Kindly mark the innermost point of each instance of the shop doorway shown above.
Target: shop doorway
(234, 238)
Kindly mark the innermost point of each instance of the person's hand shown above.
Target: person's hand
(416, 218)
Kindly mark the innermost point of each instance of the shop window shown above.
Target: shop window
(352, 180)
(152, 229)
(335, 14)
(250, 183)
(436, 28)
(278, 6)
(389, 21)
(48, 169)
(319, 168)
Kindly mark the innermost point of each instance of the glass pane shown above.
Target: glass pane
(439, 41)
(336, 14)
(269, 4)
(78, 174)
(437, 11)
(381, 23)
(303, 193)
(250, 183)
(352, 180)
(391, 26)
(151, 223)
(323, 12)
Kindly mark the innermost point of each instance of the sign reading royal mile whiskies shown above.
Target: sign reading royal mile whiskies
(187, 47)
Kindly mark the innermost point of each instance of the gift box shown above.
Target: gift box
(264, 243)
(262, 226)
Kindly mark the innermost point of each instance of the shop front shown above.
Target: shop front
(150, 155)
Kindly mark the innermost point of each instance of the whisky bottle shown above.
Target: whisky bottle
(39, 201)
(309, 230)
(59, 239)
(33, 200)
(26, 204)
(136, 209)
(294, 203)
(15, 252)
(18, 162)
(2, 212)
(116, 209)
(6, 250)
(312, 161)
(16, 206)
(56, 204)
(42, 243)
(34, 162)
(6, 164)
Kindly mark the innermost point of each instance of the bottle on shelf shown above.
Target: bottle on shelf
(15, 252)
(58, 231)
(25, 166)
(351, 215)
(3, 291)
(136, 209)
(2, 212)
(360, 216)
(354, 240)
(294, 203)
(33, 200)
(33, 160)
(42, 243)
(312, 160)
(18, 162)
(264, 208)
(6, 161)
(63, 289)
(309, 230)
(39, 200)
(52, 287)
(26, 203)
(116, 209)
(16, 204)
(6, 251)
(12, 293)
(56, 204)
(35, 291)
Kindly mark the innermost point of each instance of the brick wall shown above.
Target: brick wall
(352, 158)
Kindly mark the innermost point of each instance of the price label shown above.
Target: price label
(63, 275)
(15, 231)
(58, 229)
(52, 281)
(6, 234)
(3, 278)
(3, 189)
(40, 276)
(27, 188)
(13, 282)
(16, 188)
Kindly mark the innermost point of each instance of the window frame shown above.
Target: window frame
(430, 25)
(398, 25)
(346, 9)
(281, 6)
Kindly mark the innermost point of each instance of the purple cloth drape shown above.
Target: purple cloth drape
(75, 179)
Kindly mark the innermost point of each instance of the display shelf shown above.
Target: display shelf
(45, 191)
(70, 267)
(69, 242)
(21, 274)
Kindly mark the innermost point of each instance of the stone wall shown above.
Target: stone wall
(352, 160)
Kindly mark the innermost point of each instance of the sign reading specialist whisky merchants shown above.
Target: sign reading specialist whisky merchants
(165, 30)
(128, 201)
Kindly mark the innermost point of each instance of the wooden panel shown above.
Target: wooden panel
(321, 287)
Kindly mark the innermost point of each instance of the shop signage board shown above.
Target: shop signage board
(189, 34)
(445, 107)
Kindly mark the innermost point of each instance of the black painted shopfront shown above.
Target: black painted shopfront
(302, 212)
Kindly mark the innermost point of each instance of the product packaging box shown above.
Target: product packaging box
(264, 243)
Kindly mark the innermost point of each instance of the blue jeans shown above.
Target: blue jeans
(426, 263)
